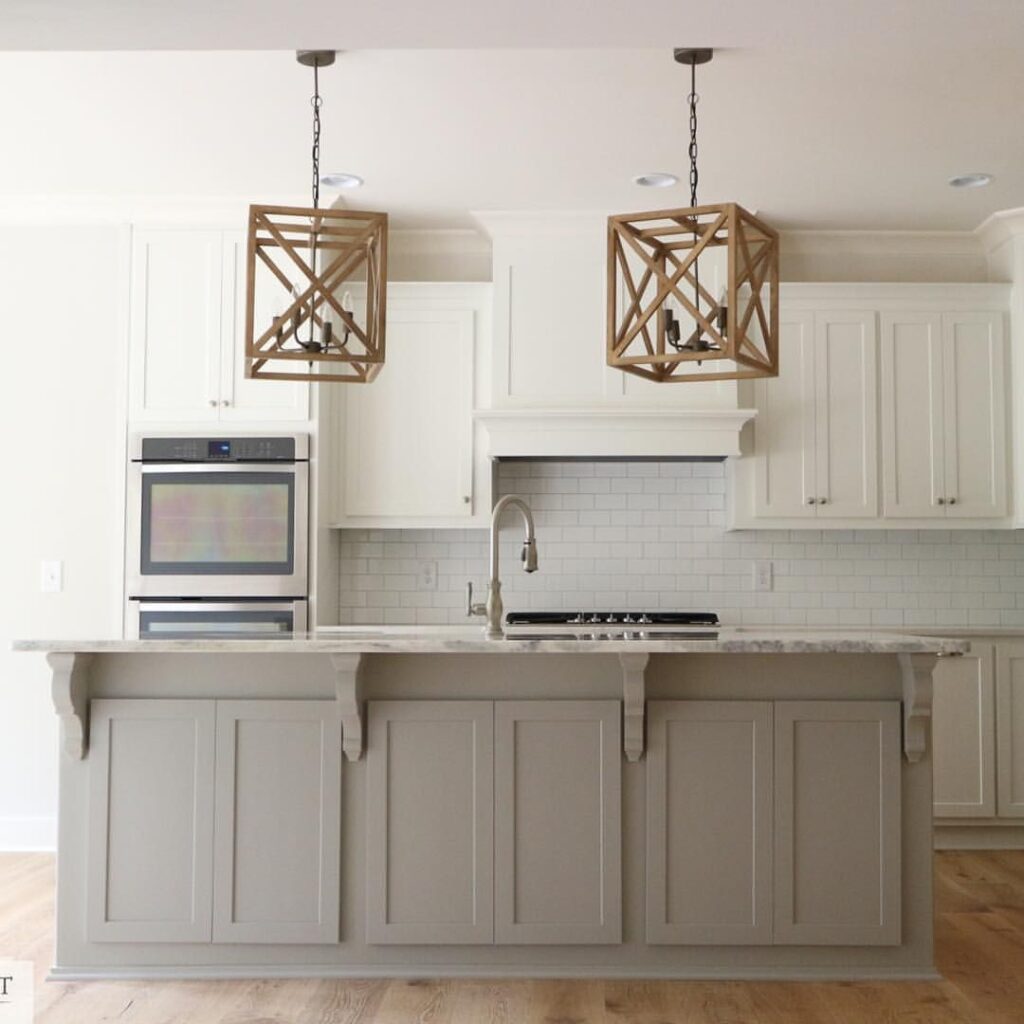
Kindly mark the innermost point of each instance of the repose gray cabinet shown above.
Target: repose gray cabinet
(773, 823)
(214, 821)
(494, 822)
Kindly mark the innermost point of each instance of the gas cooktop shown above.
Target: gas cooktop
(600, 618)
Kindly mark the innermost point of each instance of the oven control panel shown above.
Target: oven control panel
(218, 449)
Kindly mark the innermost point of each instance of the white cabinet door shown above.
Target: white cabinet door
(409, 436)
(709, 827)
(784, 435)
(837, 823)
(558, 838)
(278, 821)
(1010, 730)
(241, 399)
(964, 734)
(151, 770)
(845, 415)
(175, 325)
(430, 841)
(975, 416)
(913, 445)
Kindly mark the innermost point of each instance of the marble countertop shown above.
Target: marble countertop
(470, 640)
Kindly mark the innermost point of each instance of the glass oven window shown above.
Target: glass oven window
(239, 625)
(218, 523)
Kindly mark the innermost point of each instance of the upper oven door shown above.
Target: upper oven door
(217, 530)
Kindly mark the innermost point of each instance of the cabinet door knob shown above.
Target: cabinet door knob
(952, 501)
(940, 501)
(812, 501)
(213, 403)
(225, 402)
(466, 499)
(823, 501)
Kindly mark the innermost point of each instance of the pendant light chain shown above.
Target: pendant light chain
(693, 98)
(317, 103)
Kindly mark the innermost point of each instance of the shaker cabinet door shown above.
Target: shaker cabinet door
(837, 823)
(913, 446)
(151, 767)
(243, 399)
(709, 828)
(558, 876)
(175, 325)
(975, 415)
(964, 734)
(786, 482)
(278, 815)
(846, 414)
(1010, 738)
(430, 872)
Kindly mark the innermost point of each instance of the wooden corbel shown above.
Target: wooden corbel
(917, 702)
(633, 703)
(69, 690)
(348, 691)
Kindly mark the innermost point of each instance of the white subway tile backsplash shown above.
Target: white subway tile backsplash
(651, 535)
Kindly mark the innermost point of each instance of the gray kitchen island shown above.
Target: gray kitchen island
(428, 802)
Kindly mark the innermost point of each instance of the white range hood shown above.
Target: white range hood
(618, 433)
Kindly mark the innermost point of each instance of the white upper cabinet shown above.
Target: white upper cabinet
(815, 440)
(242, 398)
(943, 415)
(187, 323)
(404, 448)
(890, 409)
(784, 428)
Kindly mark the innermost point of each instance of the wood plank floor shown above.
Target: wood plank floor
(980, 949)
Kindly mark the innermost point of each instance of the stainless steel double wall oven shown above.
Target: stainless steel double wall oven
(217, 536)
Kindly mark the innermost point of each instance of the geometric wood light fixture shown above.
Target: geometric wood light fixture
(693, 293)
(316, 282)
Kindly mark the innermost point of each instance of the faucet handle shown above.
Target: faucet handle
(473, 609)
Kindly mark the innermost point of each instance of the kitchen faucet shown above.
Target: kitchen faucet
(493, 609)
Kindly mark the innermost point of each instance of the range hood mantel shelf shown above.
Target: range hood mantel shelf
(614, 432)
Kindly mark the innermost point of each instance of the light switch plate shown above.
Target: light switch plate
(762, 575)
(51, 576)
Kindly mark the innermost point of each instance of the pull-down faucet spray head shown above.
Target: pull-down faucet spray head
(529, 555)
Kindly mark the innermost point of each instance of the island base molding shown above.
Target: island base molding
(768, 972)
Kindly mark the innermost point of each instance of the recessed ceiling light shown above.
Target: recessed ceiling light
(974, 180)
(656, 179)
(341, 180)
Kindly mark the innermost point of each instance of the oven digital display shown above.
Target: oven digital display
(218, 449)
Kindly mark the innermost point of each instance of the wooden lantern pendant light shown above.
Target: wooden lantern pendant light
(693, 294)
(327, 270)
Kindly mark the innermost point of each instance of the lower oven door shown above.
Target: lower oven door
(216, 620)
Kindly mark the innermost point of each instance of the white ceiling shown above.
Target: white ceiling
(819, 115)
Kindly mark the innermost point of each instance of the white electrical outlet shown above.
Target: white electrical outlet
(762, 575)
(428, 575)
(51, 577)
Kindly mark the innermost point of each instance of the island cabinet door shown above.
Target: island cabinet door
(1010, 716)
(837, 823)
(964, 734)
(558, 838)
(709, 800)
(430, 793)
(150, 844)
(278, 821)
